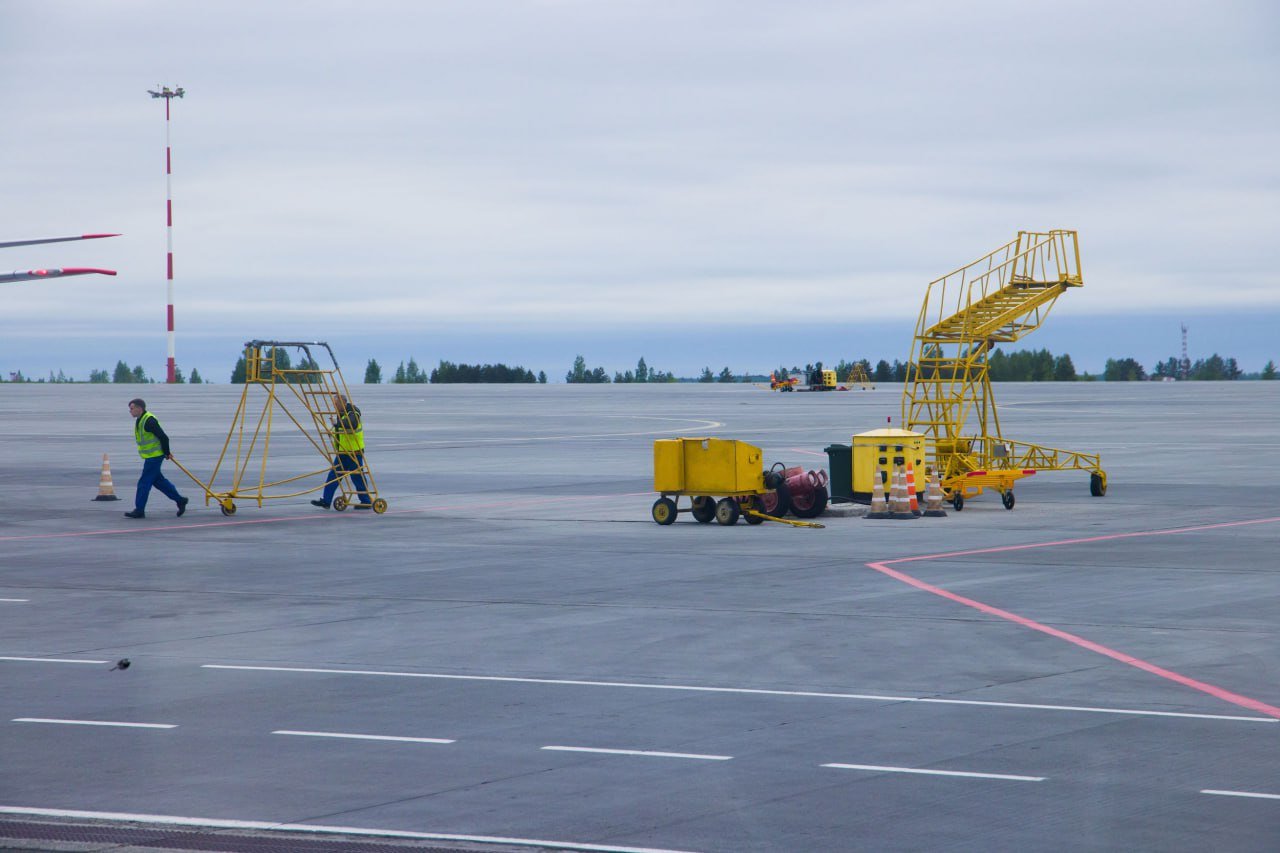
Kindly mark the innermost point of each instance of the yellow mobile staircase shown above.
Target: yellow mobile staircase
(997, 299)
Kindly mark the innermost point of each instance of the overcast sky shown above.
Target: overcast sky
(487, 176)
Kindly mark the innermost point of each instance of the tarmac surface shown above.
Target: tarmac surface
(514, 656)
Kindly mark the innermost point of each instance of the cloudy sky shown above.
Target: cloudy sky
(723, 182)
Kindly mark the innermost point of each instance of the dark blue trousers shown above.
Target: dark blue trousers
(345, 463)
(151, 476)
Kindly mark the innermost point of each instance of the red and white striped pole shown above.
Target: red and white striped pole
(168, 95)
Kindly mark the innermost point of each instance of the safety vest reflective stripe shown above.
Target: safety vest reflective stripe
(148, 444)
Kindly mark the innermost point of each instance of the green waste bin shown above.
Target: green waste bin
(841, 468)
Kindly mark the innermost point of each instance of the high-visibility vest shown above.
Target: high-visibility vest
(148, 444)
(347, 438)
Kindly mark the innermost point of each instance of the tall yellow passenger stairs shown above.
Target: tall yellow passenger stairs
(997, 299)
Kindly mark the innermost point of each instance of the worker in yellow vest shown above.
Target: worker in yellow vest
(348, 440)
(153, 447)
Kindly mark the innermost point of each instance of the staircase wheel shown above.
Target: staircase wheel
(1007, 499)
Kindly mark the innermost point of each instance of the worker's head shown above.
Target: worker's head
(137, 406)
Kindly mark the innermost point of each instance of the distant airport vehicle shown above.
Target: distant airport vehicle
(37, 274)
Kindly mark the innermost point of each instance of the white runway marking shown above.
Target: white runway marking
(879, 769)
(364, 737)
(1251, 794)
(55, 660)
(749, 691)
(640, 752)
(95, 723)
(313, 829)
(15, 600)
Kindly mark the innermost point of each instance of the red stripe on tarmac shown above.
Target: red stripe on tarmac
(1097, 648)
(319, 516)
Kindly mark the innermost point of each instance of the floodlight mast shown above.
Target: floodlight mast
(168, 95)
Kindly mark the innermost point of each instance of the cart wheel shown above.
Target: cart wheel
(756, 503)
(227, 507)
(379, 506)
(957, 503)
(664, 510)
(776, 503)
(727, 511)
(810, 506)
(339, 503)
(704, 509)
(1097, 486)
(1007, 499)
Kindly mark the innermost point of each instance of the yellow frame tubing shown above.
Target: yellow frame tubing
(998, 298)
(319, 385)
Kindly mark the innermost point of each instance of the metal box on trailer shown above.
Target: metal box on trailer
(707, 466)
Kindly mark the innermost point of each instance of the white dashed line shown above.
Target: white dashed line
(1250, 794)
(16, 600)
(95, 723)
(55, 660)
(878, 769)
(640, 752)
(350, 736)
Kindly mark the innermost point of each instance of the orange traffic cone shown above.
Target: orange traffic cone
(106, 492)
(879, 506)
(913, 499)
(899, 506)
(933, 497)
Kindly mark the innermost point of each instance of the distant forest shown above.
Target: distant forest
(1019, 366)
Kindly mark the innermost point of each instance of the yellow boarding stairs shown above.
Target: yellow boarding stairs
(305, 395)
(997, 299)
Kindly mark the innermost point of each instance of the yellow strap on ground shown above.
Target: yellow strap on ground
(792, 522)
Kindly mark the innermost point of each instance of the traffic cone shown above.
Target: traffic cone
(899, 506)
(879, 506)
(933, 497)
(913, 499)
(106, 492)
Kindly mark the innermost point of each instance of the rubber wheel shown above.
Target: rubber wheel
(339, 503)
(810, 506)
(664, 511)
(727, 511)
(957, 503)
(379, 506)
(1007, 500)
(227, 508)
(704, 509)
(758, 505)
(776, 503)
(1097, 487)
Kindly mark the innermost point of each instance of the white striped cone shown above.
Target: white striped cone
(106, 492)
(933, 498)
(879, 504)
(900, 507)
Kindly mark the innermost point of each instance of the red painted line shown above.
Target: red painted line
(319, 516)
(1105, 538)
(1097, 648)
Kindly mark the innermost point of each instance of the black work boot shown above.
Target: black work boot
(137, 513)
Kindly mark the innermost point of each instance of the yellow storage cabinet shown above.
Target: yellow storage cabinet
(879, 451)
(707, 466)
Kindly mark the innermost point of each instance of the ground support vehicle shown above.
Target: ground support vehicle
(723, 478)
(306, 394)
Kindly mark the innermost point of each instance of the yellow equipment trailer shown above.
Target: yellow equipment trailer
(704, 468)
(306, 395)
(997, 299)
